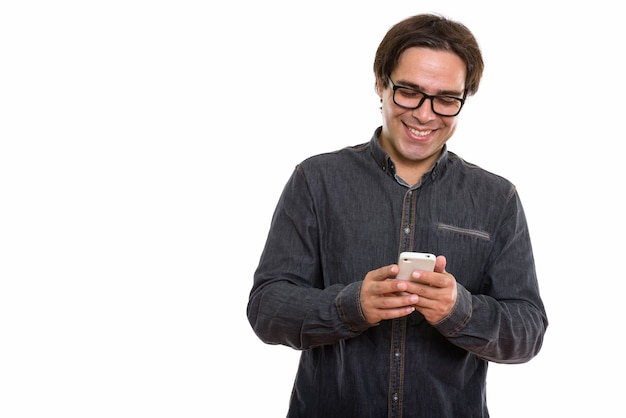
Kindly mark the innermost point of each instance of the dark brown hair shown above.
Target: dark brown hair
(435, 32)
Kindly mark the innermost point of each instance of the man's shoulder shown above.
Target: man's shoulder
(337, 156)
(472, 172)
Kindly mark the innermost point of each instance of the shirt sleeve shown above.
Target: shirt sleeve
(289, 303)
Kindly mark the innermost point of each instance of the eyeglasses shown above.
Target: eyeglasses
(409, 98)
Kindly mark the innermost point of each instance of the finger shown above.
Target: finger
(382, 273)
(386, 272)
(394, 302)
(440, 264)
(431, 279)
(386, 305)
(377, 281)
(396, 313)
(395, 286)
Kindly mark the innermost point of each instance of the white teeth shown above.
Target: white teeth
(420, 133)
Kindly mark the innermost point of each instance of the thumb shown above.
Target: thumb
(440, 264)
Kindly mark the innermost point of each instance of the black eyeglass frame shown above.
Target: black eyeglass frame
(426, 96)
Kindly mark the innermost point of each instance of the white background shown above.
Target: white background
(143, 146)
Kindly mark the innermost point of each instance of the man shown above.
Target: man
(373, 345)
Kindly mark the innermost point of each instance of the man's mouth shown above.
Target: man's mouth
(419, 133)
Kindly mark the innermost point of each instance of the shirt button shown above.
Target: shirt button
(407, 230)
(395, 397)
(397, 354)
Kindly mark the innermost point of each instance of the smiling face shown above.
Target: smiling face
(414, 138)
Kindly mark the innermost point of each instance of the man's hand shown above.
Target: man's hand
(383, 297)
(436, 290)
(433, 294)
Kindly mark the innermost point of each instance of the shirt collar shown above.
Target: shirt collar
(384, 160)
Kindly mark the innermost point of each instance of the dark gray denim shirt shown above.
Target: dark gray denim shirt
(343, 214)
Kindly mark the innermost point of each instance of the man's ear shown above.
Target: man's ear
(378, 86)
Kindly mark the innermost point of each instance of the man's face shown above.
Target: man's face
(414, 138)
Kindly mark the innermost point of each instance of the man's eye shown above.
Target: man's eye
(447, 100)
(409, 93)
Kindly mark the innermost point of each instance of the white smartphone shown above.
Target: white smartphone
(410, 261)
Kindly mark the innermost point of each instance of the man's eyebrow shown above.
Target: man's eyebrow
(413, 86)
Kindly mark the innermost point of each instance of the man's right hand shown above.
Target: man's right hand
(384, 297)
